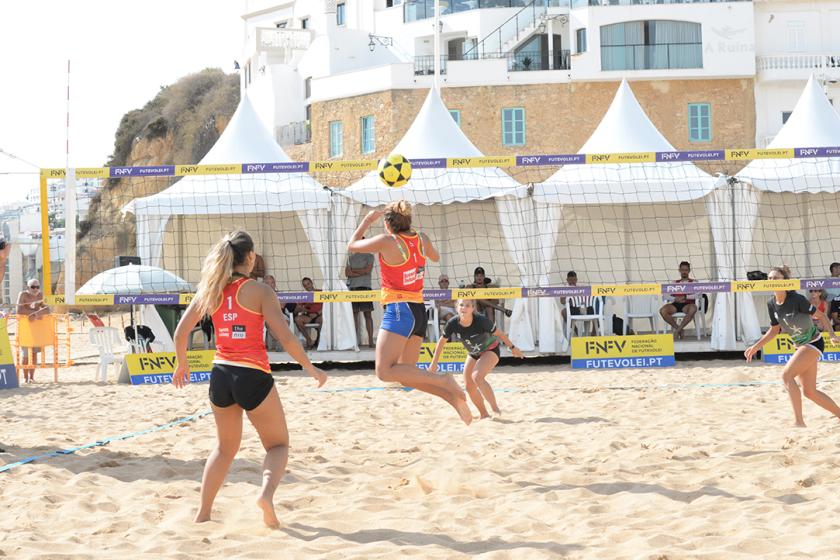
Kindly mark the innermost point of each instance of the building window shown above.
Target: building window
(339, 14)
(651, 45)
(513, 127)
(580, 39)
(304, 23)
(307, 88)
(456, 116)
(336, 139)
(796, 36)
(368, 139)
(785, 116)
(699, 122)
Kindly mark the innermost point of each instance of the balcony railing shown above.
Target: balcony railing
(294, 133)
(664, 56)
(414, 10)
(799, 62)
(585, 3)
(516, 62)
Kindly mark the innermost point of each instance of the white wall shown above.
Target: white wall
(278, 95)
(777, 23)
(727, 35)
(771, 98)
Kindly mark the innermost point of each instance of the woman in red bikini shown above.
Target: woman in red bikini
(241, 377)
(402, 262)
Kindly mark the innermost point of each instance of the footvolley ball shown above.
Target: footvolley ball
(394, 170)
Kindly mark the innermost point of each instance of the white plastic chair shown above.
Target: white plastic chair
(598, 316)
(294, 328)
(105, 339)
(641, 307)
(433, 323)
(699, 317)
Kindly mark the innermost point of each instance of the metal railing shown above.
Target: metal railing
(663, 56)
(799, 61)
(294, 133)
(536, 60)
(424, 65)
(516, 62)
(414, 10)
(510, 30)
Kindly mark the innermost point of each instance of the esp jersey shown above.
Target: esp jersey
(239, 332)
(404, 281)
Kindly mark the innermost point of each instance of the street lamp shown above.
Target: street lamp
(384, 41)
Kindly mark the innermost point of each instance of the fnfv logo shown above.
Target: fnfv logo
(531, 160)
(461, 161)
(604, 347)
(255, 167)
(671, 155)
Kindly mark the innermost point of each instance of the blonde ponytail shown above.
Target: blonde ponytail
(218, 267)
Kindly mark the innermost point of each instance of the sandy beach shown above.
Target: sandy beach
(579, 466)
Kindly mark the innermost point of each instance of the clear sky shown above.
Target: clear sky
(121, 53)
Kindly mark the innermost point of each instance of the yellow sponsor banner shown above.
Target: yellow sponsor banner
(373, 295)
(781, 348)
(627, 157)
(753, 153)
(81, 172)
(349, 165)
(626, 289)
(91, 299)
(185, 299)
(6, 356)
(483, 161)
(451, 359)
(157, 368)
(765, 285)
(487, 293)
(8, 374)
(609, 352)
(213, 169)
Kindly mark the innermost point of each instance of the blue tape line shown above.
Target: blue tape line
(102, 442)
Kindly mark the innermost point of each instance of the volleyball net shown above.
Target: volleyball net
(624, 221)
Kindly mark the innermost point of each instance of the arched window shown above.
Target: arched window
(651, 45)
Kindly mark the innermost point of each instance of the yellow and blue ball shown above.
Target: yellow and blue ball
(394, 170)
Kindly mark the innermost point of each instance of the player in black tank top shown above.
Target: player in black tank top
(481, 338)
(791, 312)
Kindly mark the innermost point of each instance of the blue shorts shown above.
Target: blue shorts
(405, 319)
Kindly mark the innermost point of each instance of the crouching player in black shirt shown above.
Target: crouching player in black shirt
(481, 338)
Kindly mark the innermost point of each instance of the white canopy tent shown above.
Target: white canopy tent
(793, 203)
(631, 222)
(797, 205)
(281, 211)
(470, 233)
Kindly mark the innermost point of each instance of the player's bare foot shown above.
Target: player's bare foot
(201, 517)
(463, 410)
(484, 417)
(269, 517)
(800, 425)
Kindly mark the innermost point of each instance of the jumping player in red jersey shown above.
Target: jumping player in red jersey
(241, 377)
(402, 262)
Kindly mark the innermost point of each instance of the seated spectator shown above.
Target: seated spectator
(484, 306)
(833, 293)
(30, 304)
(818, 299)
(271, 343)
(680, 303)
(580, 305)
(258, 272)
(358, 269)
(446, 307)
(308, 313)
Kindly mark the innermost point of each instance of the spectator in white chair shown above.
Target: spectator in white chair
(580, 305)
(680, 303)
(446, 307)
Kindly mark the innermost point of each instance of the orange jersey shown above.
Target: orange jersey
(404, 281)
(239, 331)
